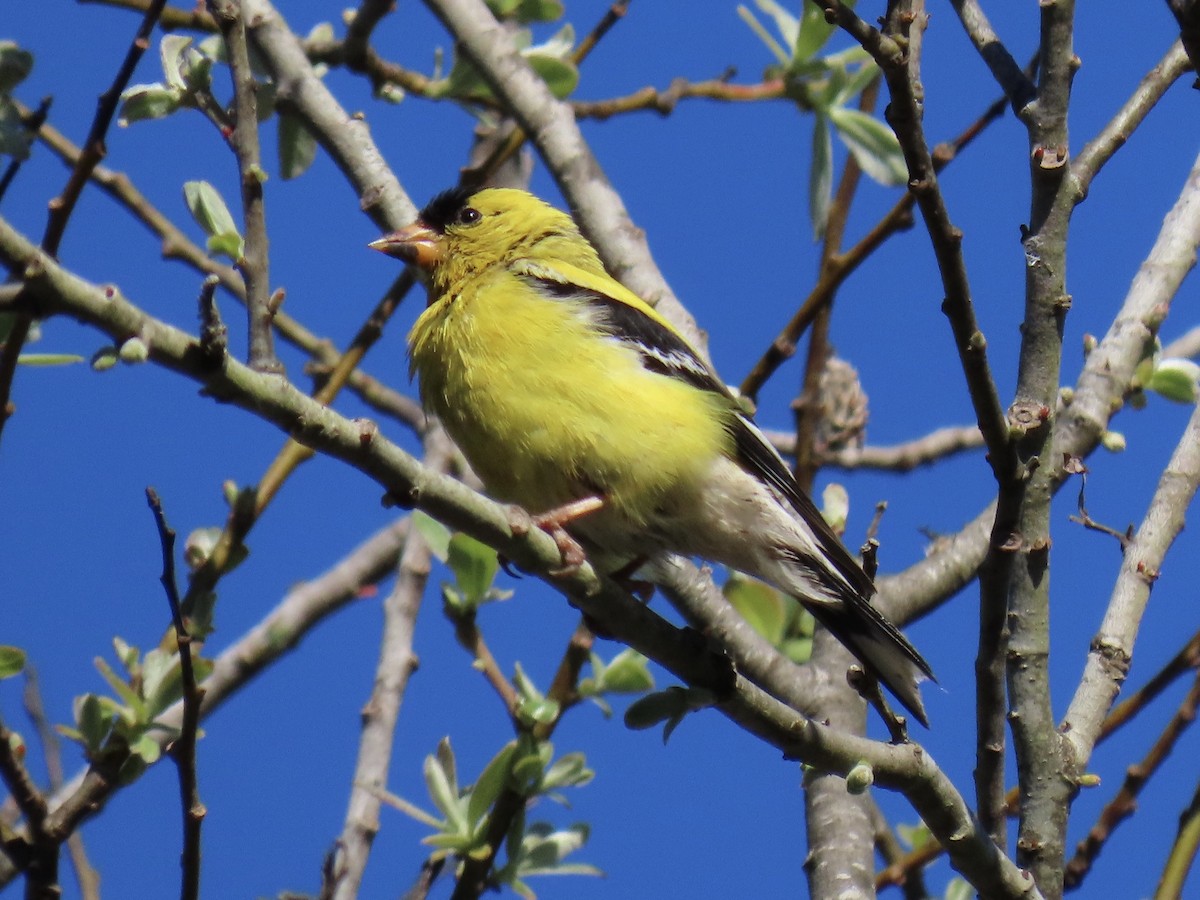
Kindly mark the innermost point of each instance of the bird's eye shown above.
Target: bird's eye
(469, 216)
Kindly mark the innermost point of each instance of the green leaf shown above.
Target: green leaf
(297, 147)
(436, 535)
(199, 545)
(569, 770)
(93, 722)
(441, 781)
(814, 32)
(524, 11)
(104, 359)
(15, 65)
(490, 783)
(147, 748)
(12, 661)
(538, 711)
(560, 75)
(763, 607)
(959, 889)
(820, 176)
(628, 673)
(787, 24)
(543, 850)
(211, 214)
(668, 707)
(170, 51)
(835, 506)
(126, 694)
(49, 359)
(474, 565)
(15, 141)
(128, 656)
(229, 244)
(873, 144)
(915, 836)
(797, 649)
(1176, 379)
(763, 35)
(162, 680)
(857, 82)
(148, 101)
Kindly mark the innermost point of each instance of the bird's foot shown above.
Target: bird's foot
(554, 523)
(640, 588)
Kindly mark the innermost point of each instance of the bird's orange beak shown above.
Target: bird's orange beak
(416, 243)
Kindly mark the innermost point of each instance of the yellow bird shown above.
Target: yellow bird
(572, 398)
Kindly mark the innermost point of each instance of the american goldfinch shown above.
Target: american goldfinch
(572, 398)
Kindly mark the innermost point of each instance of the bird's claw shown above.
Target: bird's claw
(554, 524)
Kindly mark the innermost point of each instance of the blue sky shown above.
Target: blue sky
(721, 192)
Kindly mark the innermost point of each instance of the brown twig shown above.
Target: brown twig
(478, 175)
(1017, 86)
(395, 666)
(172, 18)
(897, 219)
(477, 868)
(664, 101)
(810, 405)
(1117, 131)
(183, 749)
(1084, 518)
(176, 245)
(1183, 851)
(466, 630)
(1124, 804)
(254, 262)
(36, 855)
(430, 870)
(87, 877)
(30, 124)
(913, 882)
(1186, 660)
(63, 205)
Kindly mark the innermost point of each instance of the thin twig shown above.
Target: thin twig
(1084, 518)
(30, 125)
(172, 18)
(480, 173)
(183, 749)
(254, 262)
(809, 406)
(1098, 151)
(87, 877)
(396, 664)
(907, 768)
(177, 245)
(477, 868)
(1183, 851)
(1017, 86)
(895, 220)
(279, 632)
(1124, 804)
(63, 205)
(466, 630)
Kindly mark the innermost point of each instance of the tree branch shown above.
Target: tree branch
(904, 767)
(254, 261)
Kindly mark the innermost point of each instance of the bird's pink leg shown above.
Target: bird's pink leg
(554, 522)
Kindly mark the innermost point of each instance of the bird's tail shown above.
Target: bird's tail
(881, 647)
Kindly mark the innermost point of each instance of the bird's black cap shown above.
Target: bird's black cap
(445, 207)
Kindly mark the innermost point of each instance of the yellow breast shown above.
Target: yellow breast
(546, 409)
